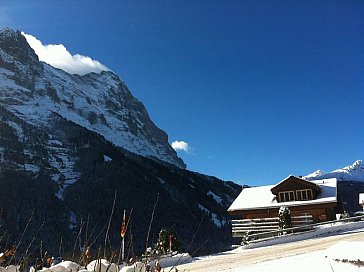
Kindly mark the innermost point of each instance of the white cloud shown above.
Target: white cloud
(180, 145)
(58, 56)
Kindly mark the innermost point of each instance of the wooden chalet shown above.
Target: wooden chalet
(310, 201)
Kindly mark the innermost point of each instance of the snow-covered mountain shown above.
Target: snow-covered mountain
(70, 143)
(101, 102)
(354, 172)
(314, 175)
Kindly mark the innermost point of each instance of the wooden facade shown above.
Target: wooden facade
(293, 188)
(320, 212)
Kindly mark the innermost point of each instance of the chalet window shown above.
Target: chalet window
(286, 196)
(304, 194)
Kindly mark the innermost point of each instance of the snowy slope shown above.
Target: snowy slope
(354, 172)
(338, 248)
(34, 91)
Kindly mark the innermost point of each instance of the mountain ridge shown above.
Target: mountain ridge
(353, 172)
(100, 102)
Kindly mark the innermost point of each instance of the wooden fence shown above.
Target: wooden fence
(241, 228)
(251, 237)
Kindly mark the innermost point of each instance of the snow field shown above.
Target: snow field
(332, 259)
(339, 248)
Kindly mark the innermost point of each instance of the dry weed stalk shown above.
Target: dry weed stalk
(108, 226)
(150, 223)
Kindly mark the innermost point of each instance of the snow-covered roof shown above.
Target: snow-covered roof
(262, 197)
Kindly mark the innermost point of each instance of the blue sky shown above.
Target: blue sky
(258, 89)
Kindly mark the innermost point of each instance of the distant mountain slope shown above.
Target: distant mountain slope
(70, 178)
(354, 172)
(34, 90)
(350, 184)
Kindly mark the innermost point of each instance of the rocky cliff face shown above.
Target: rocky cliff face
(102, 103)
(64, 142)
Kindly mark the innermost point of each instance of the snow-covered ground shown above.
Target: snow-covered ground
(342, 257)
(339, 247)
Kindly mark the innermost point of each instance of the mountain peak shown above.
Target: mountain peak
(14, 44)
(10, 33)
(353, 172)
(101, 102)
(356, 168)
(315, 174)
(358, 165)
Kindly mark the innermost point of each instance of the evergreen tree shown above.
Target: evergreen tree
(284, 220)
(164, 239)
